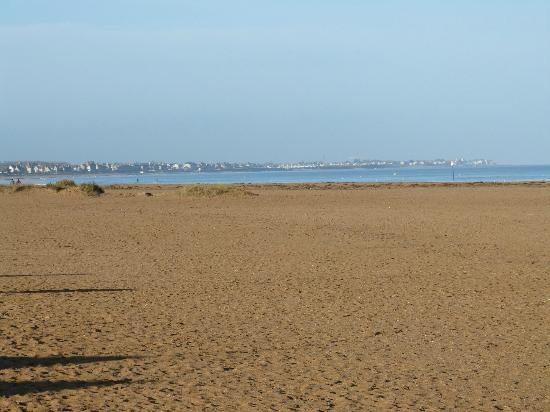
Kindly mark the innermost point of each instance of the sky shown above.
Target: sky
(274, 80)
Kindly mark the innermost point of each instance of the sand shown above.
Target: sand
(304, 297)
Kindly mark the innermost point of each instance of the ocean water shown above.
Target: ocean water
(403, 174)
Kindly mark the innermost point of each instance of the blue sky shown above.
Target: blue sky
(274, 80)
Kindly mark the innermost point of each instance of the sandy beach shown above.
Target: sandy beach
(287, 297)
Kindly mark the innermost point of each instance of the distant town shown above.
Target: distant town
(21, 168)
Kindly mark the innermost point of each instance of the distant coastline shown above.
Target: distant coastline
(48, 168)
(374, 174)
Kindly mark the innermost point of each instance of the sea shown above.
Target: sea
(494, 173)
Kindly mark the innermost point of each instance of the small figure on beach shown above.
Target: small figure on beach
(18, 181)
(12, 182)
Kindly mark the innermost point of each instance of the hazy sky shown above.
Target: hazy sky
(274, 79)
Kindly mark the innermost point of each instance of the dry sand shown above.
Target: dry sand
(345, 297)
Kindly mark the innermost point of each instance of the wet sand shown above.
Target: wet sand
(310, 297)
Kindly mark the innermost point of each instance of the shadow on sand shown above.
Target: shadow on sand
(18, 362)
(83, 290)
(22, 388)
(45, 275)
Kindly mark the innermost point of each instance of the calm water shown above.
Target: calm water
(412, 174)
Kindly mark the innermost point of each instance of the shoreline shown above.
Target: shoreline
(276, 170)
(309, 185)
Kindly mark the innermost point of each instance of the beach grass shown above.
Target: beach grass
(61, 185)
(20, 188)
(208, 190)
(91, 189)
